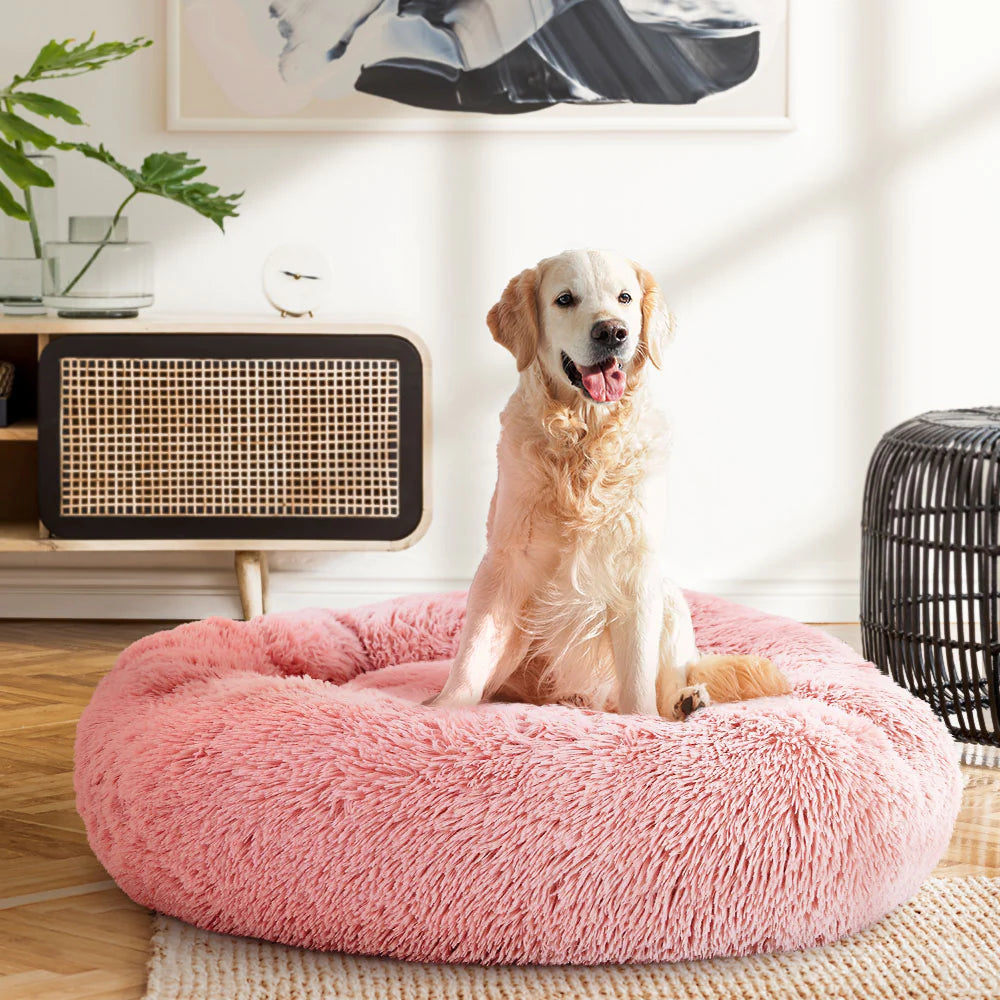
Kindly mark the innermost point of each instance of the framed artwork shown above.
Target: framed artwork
(468, 65)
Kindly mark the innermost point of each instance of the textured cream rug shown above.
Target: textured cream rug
(944, 945)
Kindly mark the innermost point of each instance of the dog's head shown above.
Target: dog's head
(590, 319)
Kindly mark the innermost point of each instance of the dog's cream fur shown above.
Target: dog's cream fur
(570, 603)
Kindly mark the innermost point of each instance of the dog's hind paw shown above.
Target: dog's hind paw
(690, 699)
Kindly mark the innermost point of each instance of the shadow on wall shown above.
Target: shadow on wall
(864, 189)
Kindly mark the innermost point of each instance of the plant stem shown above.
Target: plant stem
(29, 205)
(114, 222)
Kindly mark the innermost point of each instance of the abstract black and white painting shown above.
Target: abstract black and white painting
(418, 64)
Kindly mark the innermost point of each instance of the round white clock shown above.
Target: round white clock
(296, 279)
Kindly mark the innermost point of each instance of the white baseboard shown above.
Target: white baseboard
(181, 595)
(821, 601)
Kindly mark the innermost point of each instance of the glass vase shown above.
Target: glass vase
(98, 272)
(21, 245)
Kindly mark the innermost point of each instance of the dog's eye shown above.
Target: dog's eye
(624, 298)
(565, 300)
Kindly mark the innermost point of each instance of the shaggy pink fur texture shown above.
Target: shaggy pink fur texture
(279, 779)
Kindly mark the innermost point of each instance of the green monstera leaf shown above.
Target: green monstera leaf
(17, 129)
(61, 59)
(15, 164)
(169, 175)
(20, 169)
(46, 107)
(55, 60)
(9, 205)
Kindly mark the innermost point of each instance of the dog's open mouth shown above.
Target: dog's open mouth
(603, 383)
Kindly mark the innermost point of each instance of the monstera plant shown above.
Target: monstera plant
(169, 175)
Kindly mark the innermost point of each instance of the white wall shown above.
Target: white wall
(829, 281)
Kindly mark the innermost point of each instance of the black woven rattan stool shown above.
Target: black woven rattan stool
(929, 574)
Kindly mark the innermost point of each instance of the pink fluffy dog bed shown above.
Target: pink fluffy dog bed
(280, 779)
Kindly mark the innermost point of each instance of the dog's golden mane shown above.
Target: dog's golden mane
(592, 461)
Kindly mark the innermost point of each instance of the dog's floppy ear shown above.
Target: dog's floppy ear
(657, 321)
(513, 321)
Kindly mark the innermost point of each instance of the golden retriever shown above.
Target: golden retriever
(570, 604)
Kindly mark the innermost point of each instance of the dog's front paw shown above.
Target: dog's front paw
(456, 698)
(690, 699)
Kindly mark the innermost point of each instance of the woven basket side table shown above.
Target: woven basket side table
(930, 586)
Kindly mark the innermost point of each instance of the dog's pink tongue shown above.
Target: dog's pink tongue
(605, 382)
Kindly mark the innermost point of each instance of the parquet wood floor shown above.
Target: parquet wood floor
(66, 932)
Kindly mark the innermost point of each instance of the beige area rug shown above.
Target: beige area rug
(943, 945)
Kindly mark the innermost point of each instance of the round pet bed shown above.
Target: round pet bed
(280, 779)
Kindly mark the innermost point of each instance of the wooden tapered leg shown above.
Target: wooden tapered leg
(265, 583)
(249, 576)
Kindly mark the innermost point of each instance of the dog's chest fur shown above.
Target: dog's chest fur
(569, 520)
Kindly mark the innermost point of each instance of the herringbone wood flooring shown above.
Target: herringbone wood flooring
(65, 931)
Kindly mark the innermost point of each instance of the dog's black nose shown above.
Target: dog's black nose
(609, 331)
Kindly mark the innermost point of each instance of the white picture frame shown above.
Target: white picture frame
(187, 113)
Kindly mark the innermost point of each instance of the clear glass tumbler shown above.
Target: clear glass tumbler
(22, 243)
(98, 272)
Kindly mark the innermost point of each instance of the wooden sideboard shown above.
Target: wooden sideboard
(22, 340)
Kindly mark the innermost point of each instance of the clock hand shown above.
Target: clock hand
(310, 277)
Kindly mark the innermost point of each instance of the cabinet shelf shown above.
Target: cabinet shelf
(20, 430)
(20, 536)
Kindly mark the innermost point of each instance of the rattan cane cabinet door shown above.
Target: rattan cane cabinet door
(232, 436)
